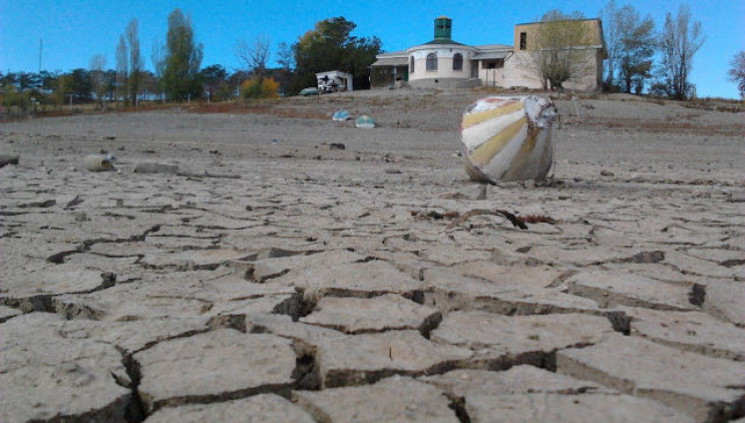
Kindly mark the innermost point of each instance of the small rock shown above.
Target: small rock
(607, 173)
(6, 159)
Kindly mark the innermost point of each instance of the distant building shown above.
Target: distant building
(334, 81)
(445, 63)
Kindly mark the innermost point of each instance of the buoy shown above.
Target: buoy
(508, 138)
(340, 116)
(99, 162)
(365, 121)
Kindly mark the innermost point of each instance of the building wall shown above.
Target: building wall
(593, 27)
(444, 83)
(520, 71)
(491, 77)
(444, 64)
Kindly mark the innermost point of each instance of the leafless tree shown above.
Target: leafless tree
(254, 56)
(122, 66)
(737, 72)
(285, 56)
(612, 40)
(680, 40)
(557, 54)
(135, 62)
(98, 77)
(158, 57)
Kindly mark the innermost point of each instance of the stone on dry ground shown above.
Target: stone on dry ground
(344, 361)
(217, 365)
(499, 342)
(264, 269)
(726, 299)
(526, 393)
(520, 379)
(612, 289)
(708, 389)
(691, 331)
(386, 312)
(8, 312)
(256, 409)
(147, 263)
(45, 376)
(363, 280)
(569, 409)
(54, 279)
(180, 294)
(394, 399)
(448, 289)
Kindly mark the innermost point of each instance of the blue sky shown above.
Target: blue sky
(74, 30)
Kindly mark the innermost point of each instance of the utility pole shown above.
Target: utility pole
(40, 51)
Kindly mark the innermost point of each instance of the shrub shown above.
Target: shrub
(260, 88)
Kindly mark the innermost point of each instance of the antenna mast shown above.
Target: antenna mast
(40, 46)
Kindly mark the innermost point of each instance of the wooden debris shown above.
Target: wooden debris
(476, 212)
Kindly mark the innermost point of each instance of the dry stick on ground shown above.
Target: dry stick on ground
(207, 175)
(476, 212)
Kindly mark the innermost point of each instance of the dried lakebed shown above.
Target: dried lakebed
(328, 285)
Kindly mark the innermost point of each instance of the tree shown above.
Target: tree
(612, 41)
(48, 81)
(215, 80)
(181, 73)
(285, 56)
(122, 66)
(679, 42)
(637, 46)
(80, 84)
(98, 77)
(286, 60)
(148, 83)
(135, 61)
(254, 56)
(330, 46)
(158, 56)
(555, 56)
(63, 89)
(737, 72)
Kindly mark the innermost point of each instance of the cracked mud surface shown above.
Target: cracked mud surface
(282, 278)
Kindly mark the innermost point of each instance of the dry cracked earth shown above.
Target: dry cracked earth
(297, 270)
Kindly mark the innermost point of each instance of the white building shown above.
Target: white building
(445, 63)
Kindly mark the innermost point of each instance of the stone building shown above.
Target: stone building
(443, 62)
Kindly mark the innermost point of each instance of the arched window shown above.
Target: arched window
(458, 62)
(411, 64)
(432, 62)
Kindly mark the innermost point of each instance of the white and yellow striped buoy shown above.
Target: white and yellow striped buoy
(508, 138)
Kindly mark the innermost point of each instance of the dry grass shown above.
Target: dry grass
(670, 125)
(715, 104)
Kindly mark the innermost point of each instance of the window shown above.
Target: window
(494, 64)
(458, 62)
(432, 62)
(523, 41)
(411, 64)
